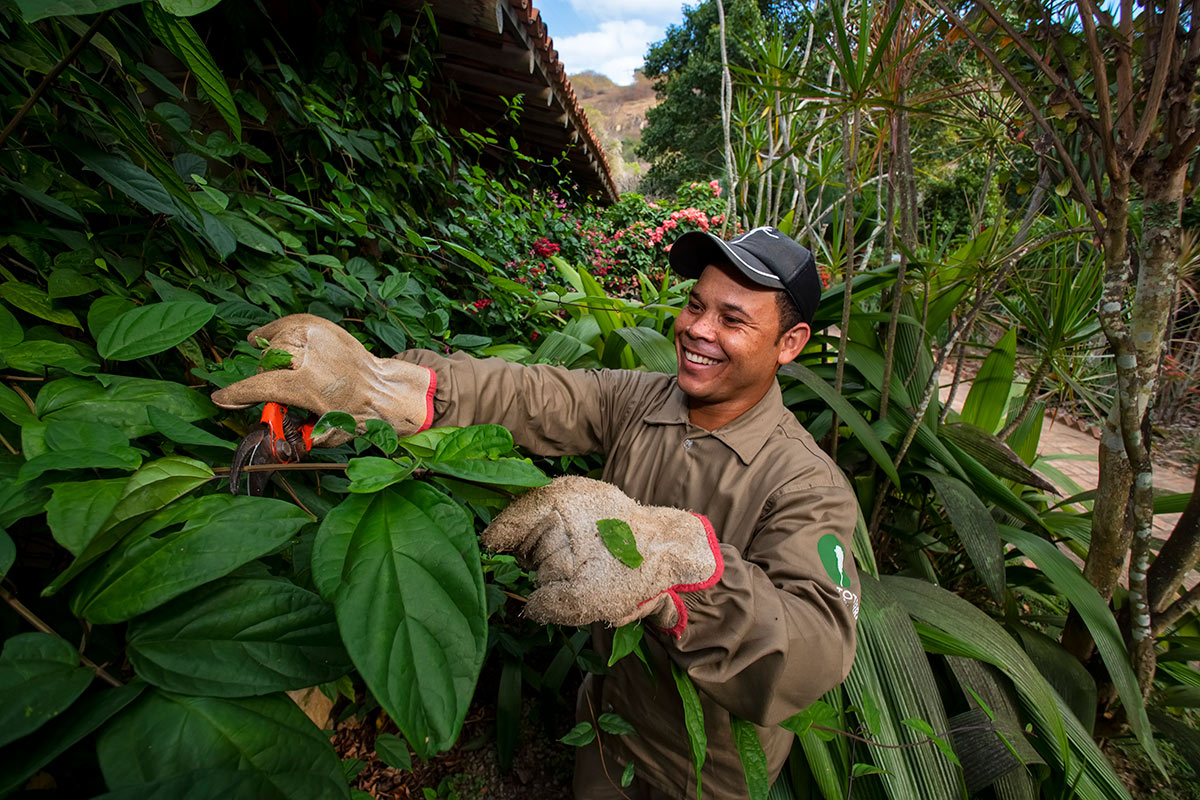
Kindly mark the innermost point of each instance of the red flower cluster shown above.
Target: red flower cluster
(480, 304)
(545, 248)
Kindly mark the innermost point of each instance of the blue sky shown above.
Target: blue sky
(607, 36)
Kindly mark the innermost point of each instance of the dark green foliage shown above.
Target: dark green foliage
(165, 199)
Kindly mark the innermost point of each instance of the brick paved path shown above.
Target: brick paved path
(1060, 438)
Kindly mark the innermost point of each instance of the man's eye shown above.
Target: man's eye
(732, 321)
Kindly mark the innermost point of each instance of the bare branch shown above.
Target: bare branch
(1087, 11)
(36, 622)
(1154, 94)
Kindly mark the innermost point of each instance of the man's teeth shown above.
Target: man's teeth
(699, 359)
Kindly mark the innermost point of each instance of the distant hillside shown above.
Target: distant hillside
(617, 115)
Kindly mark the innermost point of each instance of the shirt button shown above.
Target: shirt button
(687, 444)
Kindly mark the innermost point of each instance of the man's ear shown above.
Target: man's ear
(792, 342)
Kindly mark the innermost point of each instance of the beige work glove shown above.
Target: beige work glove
(554, 530)
(332, 371)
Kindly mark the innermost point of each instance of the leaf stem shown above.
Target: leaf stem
(36, 622)
(51, 75)
(223, 471)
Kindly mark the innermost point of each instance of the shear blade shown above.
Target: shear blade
(254, 450)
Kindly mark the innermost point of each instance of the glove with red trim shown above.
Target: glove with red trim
(554, 529)
(332, 371)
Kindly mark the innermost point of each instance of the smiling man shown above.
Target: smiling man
(742, 522)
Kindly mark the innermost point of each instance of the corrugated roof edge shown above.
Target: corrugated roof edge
(553, 68)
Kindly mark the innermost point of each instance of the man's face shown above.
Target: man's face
(728, 344)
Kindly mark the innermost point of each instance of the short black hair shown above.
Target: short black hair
(789, 313)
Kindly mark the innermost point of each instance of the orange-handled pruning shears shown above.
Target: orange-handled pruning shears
(279, 438)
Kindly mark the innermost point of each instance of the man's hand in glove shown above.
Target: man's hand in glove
(554, 530)
(332, 371)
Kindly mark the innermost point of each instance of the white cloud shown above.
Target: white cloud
(627, 9)
(615, 50)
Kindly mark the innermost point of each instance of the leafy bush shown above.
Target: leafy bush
(148, 236)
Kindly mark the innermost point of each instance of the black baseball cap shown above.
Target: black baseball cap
(766, 255)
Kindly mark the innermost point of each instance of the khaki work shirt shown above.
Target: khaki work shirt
(777, 631)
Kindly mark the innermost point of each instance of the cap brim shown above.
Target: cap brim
(695, 250)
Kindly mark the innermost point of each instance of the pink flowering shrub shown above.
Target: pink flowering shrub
(612, 243)
(635, 234)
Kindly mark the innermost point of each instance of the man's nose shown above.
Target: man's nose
(702, 327)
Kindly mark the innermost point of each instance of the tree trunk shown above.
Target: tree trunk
(1110, 533)
(1178, 557)
(1158, 272)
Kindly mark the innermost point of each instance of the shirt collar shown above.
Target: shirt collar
(745, 436)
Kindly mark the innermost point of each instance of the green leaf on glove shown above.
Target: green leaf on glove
(274, 358)
(582, 734)
(334, 419)
(627, 775)
(618, 538)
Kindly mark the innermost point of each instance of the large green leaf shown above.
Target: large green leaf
(160, 560)
(848, 414)
(33, 10)
(476, 441)
(260, 747)
(51, 204)
(237, 637)
(183, 432)
(370, 473)
(984, 687)
(78, 510)
(33, 300)
(40, 678)
(21, 760)
(828, 775)
(151, 329)
(499, 471)
(951, 625)
(990, 488)
(210, 783)
(1101, 623)
(994, 454)
(402, 569)
(988, 398)
(150, 488)
(77, 444)
(693, 721)
(560, 348)
(754, 760)
(891, 670)
(20, 499)
(11, 333)
(975, 528)
(13, 408)
(187, 8)
(120, 401)
(39, 355)
(130, 180)
(8, 552)
(653, 350)
(181, 39)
